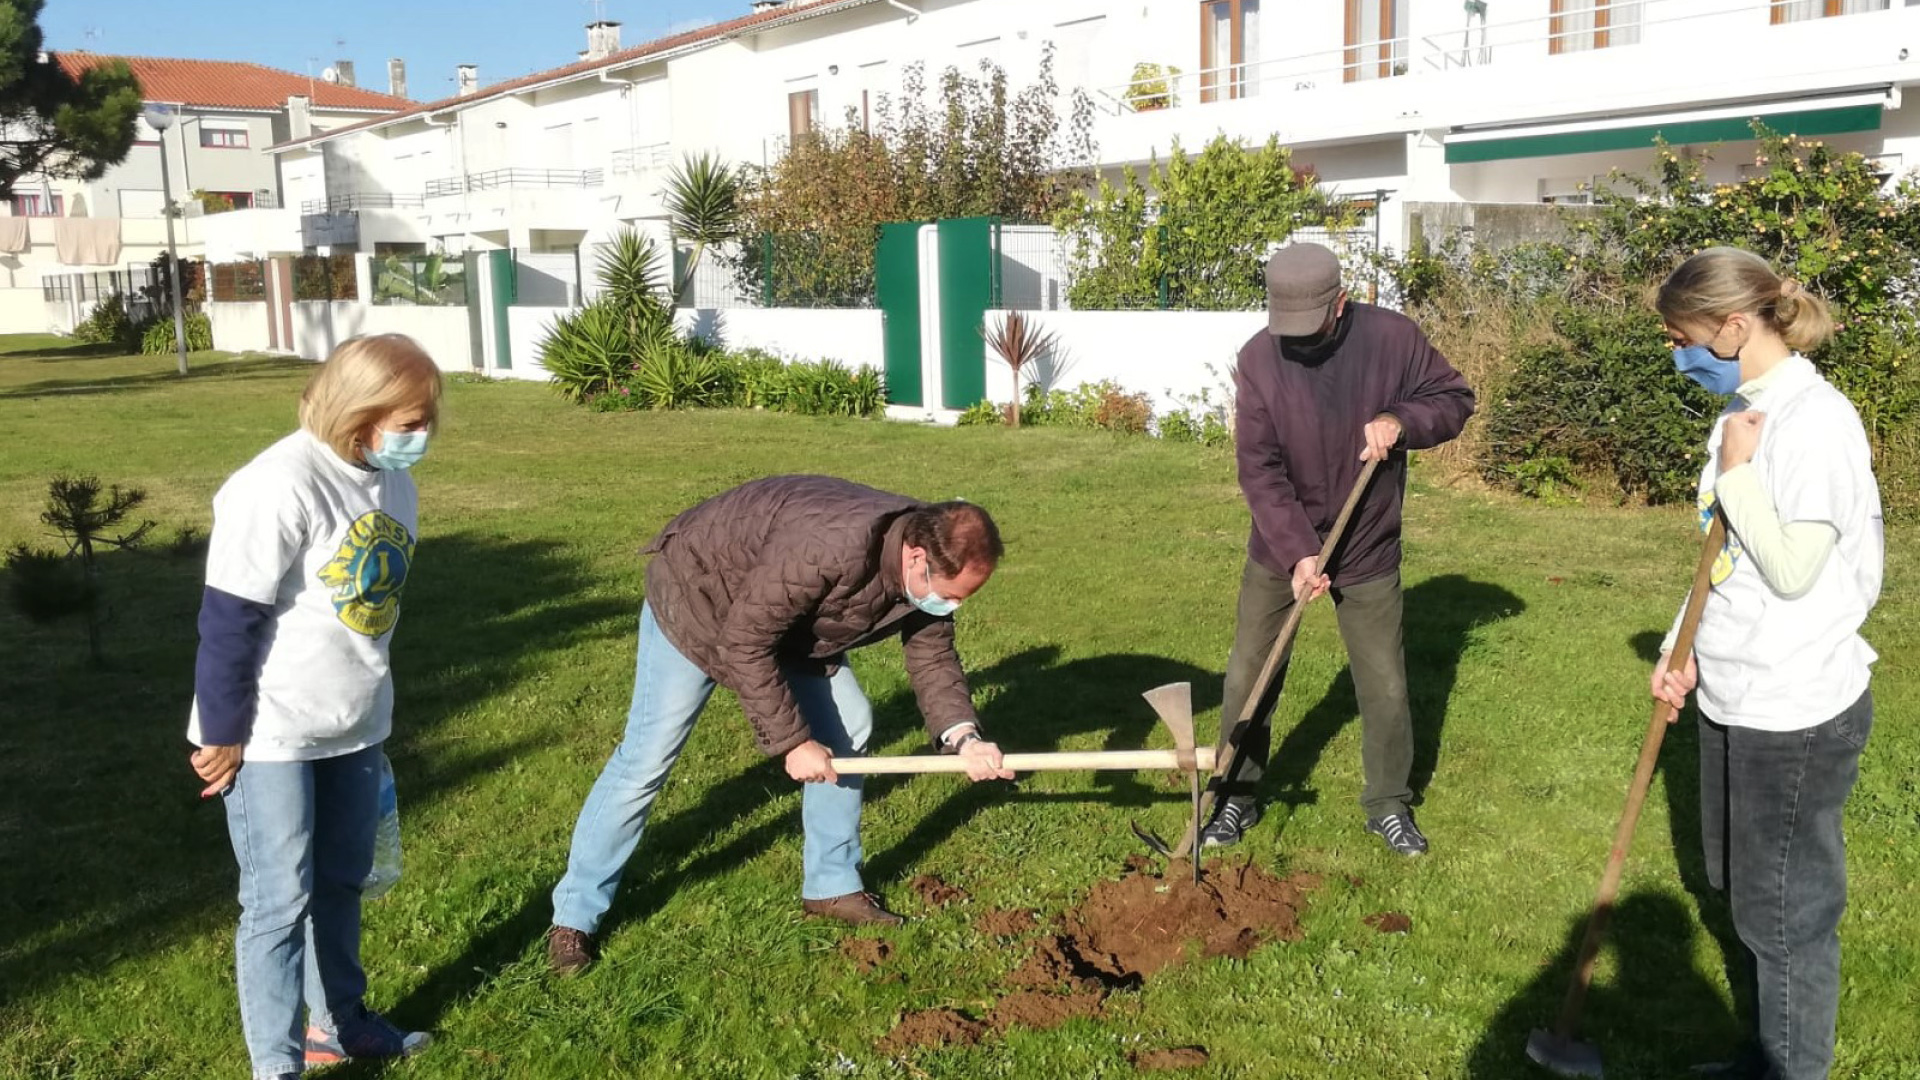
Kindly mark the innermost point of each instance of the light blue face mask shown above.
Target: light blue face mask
(1718, 374)
(398, 450)
(933, 603)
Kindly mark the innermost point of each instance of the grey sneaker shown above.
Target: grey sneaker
(1230, 823)
(1403, 837)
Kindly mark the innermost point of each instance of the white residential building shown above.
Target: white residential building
(229, 114)
(1420, 100)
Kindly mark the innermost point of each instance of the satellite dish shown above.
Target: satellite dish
(329, 75)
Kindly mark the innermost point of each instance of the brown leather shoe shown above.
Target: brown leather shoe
(569, 951)
(856, 908)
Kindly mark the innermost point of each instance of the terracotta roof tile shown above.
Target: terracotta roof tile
(715, 32)
(231, 84)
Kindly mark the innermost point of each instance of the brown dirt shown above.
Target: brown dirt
(1389, 922)
(931, 1027)
(936, 892)
(1184, 1057)
(1006, 923)
(1033, 1009)
(865, 953)
(1131, 928)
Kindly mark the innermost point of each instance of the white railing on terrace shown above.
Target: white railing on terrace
(1383, 59)
(648, 158)
(1479, 43)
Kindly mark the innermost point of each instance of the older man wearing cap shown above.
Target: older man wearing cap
(1328, 386)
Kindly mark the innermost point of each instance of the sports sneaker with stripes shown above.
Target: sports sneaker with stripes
(366, 1036)
(1231, 823)
(1403, 837)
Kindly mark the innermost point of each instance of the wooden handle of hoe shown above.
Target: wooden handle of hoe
(1224, 761)
(1050, 762)
(1663, 716)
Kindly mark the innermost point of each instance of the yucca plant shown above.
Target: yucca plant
(629, 270)
(671, 377)
(703, 205)
(1018, 343)
(590, 351)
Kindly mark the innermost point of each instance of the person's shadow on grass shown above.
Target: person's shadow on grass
(1440, 617)
(1649, 1012)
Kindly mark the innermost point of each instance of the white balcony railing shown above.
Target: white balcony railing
(653, 157)
(1601, 25)
(516, 180)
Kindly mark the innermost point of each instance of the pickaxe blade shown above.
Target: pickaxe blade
(1173, 703)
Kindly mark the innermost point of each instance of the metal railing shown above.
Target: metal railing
(517, 179)
(648, 158)
(362, 200)
(1384, 58)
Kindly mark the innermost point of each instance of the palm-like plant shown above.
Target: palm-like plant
(629, 269)
(703, 204)
(1018, 343)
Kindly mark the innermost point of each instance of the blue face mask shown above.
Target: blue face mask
(1717, 374)
(933, 603)
(398, 450)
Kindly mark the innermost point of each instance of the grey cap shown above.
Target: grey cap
(1303, 281)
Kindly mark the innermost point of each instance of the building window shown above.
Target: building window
(1786, 11)
(803, 113)
(1229, 49)
(1584, 25)
(1376, 39)
(223, 138)
(35, 204)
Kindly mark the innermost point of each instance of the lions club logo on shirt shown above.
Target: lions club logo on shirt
(368, 572)
(1731, 551)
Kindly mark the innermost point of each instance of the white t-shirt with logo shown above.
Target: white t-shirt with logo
(1766, 661)
(328, 545)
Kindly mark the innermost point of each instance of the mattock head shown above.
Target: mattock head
(1173, 703)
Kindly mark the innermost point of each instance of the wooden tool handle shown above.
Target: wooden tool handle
(1052, 762)
(1231, 735)
(1663, 716)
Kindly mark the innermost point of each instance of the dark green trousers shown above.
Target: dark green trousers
(1369, 615)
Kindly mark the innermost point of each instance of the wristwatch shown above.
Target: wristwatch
(962, 741)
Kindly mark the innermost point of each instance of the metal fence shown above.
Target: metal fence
(325, 277)
(516, 179)
(419, 280)
(237, 282)
(549, 279)
(362, 200)
(143, 290)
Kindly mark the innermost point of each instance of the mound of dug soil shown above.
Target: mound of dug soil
(936, 892)
(1131, 928)
(866, 953)
(1004, 923)
(931, 1027)
(1184, 1057)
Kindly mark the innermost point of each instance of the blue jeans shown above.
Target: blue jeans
(668, 694)
(302, 833)
(1770, 816)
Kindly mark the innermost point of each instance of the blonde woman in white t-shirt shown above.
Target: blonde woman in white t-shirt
(1779, 664)
(311, 546)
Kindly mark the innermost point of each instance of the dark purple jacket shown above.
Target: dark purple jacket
(1298, 434)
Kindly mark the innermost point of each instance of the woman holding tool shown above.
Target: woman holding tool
(1780, 667)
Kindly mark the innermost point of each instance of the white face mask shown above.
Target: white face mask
(933, 603)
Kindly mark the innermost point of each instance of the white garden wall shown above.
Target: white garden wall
(319, 326)
(849, 335)
(239, 326)
(1164, 354)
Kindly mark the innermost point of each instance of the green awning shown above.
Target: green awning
(1805, 122)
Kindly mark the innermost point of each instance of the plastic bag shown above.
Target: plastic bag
(386, 838)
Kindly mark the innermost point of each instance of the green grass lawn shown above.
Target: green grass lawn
(1529, 631)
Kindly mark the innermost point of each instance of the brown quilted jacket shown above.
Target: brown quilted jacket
(791, 572)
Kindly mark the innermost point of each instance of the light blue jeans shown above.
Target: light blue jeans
(668, 694)
(302, 833)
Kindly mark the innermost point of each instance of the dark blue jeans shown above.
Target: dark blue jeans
(1770, 820)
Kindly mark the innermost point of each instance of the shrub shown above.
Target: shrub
(671, 376)
(108, 324)
(158, 339)
(982, 413)
(589, 352)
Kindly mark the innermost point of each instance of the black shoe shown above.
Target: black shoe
(1403, 837)
(1231, 823)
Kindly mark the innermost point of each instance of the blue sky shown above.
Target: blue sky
(507, 38)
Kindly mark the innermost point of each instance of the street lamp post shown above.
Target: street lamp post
(160, 118)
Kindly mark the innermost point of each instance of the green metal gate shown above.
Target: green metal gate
(969, 287)
(896, 271)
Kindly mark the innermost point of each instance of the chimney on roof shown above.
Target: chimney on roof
(344, 69)
(603, 40)
(765, 5)
(299, 116)
(467, 76)
(397, 77)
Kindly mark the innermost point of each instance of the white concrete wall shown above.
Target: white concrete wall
(849, 335)
(528, 327)
(238, 326)
(1163, 354)
(320, 326)
(23, 310)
